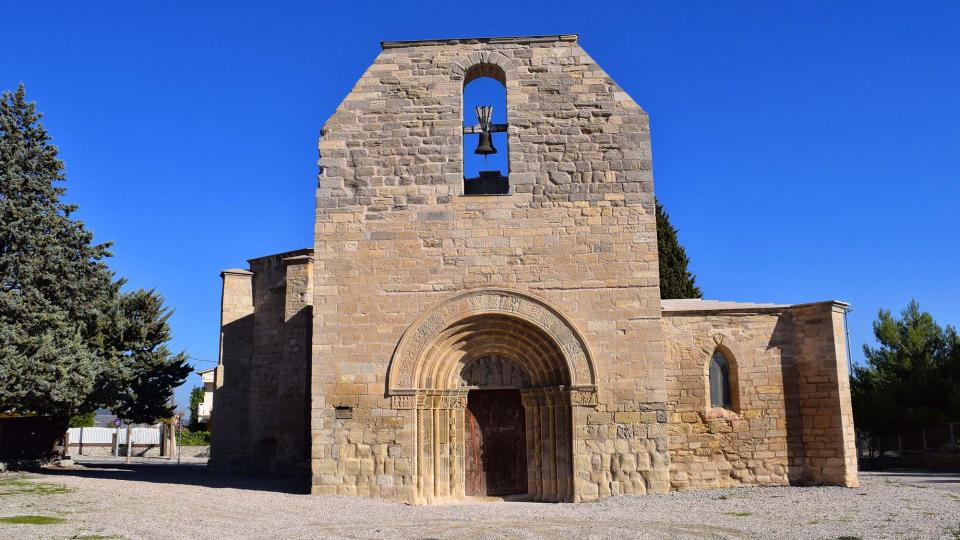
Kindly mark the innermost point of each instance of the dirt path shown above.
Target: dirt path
(163, 501)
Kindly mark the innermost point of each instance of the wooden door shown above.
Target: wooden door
(495, 443)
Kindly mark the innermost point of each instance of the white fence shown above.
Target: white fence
(104, 435)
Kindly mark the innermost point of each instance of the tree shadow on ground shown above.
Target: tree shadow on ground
(193, 474)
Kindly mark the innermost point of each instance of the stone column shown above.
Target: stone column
(532, 400)
(549, 444)
(440, 445)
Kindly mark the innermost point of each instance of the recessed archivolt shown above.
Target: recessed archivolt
(490, 322)
(493, 334)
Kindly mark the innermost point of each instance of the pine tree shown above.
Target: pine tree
(911, 379)
(54, 283)
(676, 281)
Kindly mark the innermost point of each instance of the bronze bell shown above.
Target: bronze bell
(485, 144)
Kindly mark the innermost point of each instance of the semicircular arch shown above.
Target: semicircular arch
(525, 329)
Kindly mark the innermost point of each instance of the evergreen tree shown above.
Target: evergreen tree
(911, 379)
(70, 340)
(196, 398)
(676, 281)
(141, 370)
(54, 283)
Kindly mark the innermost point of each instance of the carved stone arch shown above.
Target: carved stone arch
(550, 370)
(484, 64)
(428, 347)
(735, 358)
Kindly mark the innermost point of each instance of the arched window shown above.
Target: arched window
(720, 381)
(485, 152)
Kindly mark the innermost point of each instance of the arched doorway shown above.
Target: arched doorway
(490, 379)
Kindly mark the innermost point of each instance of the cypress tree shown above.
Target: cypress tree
(70, 340)
(196, 398)
(676, 281)
(142, 370)
(54, 283)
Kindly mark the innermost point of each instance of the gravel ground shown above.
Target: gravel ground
(169, 502)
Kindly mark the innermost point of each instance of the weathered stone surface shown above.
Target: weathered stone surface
(784, 427)
(567, 234)
(263, 391)
(414, 294)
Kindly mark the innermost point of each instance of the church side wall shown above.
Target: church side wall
(823, 386)
(394, 238)
(293, 395)
(229, 444)
(269, 281)
(262, 409)
(714, 447)
(791, 421)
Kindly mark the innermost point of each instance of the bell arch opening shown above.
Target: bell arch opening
(490, 383)
(486, 161)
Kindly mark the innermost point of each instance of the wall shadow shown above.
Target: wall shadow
(192, 474)
(782, 338)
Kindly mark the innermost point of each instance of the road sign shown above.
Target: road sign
(116, 422)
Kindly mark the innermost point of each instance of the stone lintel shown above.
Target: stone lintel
(235, 272)
(298, 259)
(837, 305)
(732, 308)
(284, 255)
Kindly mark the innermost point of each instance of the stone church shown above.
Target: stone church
(503, 335)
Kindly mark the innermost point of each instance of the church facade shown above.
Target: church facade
(504, 335)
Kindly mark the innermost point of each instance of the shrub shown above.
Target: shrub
(195, 438)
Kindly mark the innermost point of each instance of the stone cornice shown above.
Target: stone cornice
(471, 40)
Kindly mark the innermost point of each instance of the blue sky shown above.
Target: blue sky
(805, 150)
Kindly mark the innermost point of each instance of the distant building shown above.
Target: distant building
(205, 410)
(103, 418)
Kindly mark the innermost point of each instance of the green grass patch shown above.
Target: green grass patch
(20, 485)
(741, 514)
(847, 537)
(92, 537)
(32, 520)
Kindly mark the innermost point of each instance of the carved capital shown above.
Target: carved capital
(584, 397)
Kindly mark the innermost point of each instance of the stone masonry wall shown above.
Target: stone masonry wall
(823, 387)
(791, 420)
(229, 445)
(262, 409)
(395, 237)
(714, 447)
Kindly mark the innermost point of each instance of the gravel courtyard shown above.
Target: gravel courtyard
(169, 502)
